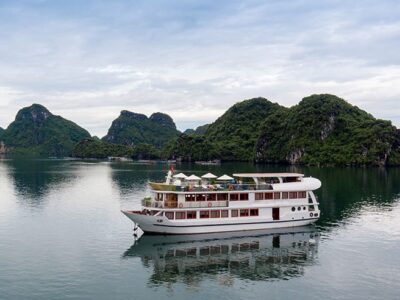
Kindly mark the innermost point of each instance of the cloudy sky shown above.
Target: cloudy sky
(88, 60)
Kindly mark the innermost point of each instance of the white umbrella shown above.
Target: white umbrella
(225, 178)
(193, 177)
(180, 176)
(209, 176)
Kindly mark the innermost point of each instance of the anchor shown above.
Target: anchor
(135, 228)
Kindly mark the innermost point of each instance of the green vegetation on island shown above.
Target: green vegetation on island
(190, 148)
(319, 130)
(36, 131)
(132, 129)
(231, 137)
(198, 131)
(324, 129)
(95, 148)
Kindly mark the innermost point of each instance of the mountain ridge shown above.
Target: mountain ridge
(322, 129)
(132, 129)
(325, 129)
(36, 131)
(230, 136)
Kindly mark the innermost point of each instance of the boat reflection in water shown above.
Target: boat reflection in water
(268, 255)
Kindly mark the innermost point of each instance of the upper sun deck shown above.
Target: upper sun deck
(181, 183)
(268, 175)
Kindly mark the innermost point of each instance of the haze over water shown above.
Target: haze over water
(62, 236)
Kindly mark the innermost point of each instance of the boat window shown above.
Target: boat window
(201, 198)
(204, 251)
(159, 197)
(214, 250)
(170, 253)
(268, 196)
(224, 214)
(180, 215)
(255, 245)
(293, 195)
(191, 215)
(211, 197)
(293, 208)
(172, 197)
(234, 197)
(204, 214)
(277, 195)
(302, 194)
(290, 179)
(180, 253)
(169, 215)
(222, 197)
(224, 249)
(299, 208)
(244, 196)
(190, 197)
(244, 212)
(234, 248)
(285, 195)
(191, 251)
(253, 212)
(259, 196)
(304, 208)
(215, 213)
(234, 213)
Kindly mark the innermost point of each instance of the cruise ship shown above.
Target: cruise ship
(246, 201)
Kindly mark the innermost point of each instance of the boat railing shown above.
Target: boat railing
(148, 202)
(205, 204)
(210, 187)
(173, 204)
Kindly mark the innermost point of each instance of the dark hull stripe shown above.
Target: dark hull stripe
(230, 224)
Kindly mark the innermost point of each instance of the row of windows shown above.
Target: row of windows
(244, 196)
(213, 250)
(206, 214)
(280, 195)
(217, 197)
(298, 208)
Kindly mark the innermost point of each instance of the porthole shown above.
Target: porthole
(299, 208)
(293, 208)
(304, 208)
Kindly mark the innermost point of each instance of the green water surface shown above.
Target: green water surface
(62, 236)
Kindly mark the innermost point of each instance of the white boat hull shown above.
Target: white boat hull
(161, 225)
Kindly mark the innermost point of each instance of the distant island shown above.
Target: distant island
(320, 130)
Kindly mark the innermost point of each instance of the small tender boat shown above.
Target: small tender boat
(208, 162)
(247, 201)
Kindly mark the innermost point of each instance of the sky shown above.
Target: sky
(88, 60)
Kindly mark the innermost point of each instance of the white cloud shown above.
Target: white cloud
(195, 60)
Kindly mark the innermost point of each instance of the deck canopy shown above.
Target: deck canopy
(208, 176)
(267, 175)
(225, 178)
(193, 177)
(180, 176)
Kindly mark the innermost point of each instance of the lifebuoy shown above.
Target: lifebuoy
(180, 205)
(230, 187)
(209, 204)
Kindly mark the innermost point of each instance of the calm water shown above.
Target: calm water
(62, 236)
